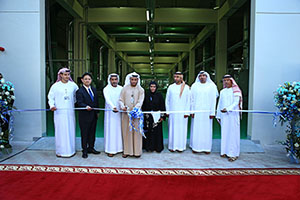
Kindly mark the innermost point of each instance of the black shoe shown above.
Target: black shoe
(93, 151)
(84, 155)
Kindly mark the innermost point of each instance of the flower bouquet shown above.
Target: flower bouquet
(287, 100)
(6, 104)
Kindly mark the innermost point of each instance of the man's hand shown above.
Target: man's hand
(89, 108)
(186, 116)
(211, 117)
(192, 115)
(224, 110)
(53, 108)
(124, 109)
(167, 115)
(161, 119)
(115, 110)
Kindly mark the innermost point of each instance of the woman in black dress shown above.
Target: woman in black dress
(153, 101)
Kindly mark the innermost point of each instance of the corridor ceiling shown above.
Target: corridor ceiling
(152, 36)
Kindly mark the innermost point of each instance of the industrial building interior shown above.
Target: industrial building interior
(155, 38)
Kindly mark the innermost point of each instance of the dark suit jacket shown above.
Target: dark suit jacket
(83, 100)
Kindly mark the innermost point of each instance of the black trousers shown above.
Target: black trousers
(88, 134)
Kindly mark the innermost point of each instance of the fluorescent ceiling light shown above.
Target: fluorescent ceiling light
(148, 15)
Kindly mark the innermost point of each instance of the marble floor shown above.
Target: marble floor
(253, 155)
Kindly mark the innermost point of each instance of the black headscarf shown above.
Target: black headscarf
(153, 100)
(152, 93)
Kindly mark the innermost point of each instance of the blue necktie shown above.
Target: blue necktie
(91, 94)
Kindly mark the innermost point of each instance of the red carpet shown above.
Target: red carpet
(36, 182)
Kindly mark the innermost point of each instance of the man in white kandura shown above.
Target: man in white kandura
(113, 143)
(204, 95)
(230, 103)
(178, 99)
(62, 97)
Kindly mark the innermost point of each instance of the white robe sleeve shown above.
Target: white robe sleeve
(107, 99)
(74, 93)
(236, 100)
(168, 100)
(140, 99)
(51, 97)
(192, 99)
(121, 100)
(219, 107)
(188, 100)
(213, 102)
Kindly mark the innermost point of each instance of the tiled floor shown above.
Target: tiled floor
(252, 156)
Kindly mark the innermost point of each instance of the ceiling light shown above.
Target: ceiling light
(148, 15)
(216, 7)
(149, 38)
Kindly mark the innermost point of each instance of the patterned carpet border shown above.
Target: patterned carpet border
(155, 172)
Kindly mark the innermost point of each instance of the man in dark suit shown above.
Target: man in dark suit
(87, 98)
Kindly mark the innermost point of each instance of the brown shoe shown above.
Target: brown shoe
(110, 155)
(171, 150)
(125, 156)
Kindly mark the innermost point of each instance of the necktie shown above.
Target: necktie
(91, 94)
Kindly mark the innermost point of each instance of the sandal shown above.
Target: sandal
(125, 156)
(224, 156)
(231, 159)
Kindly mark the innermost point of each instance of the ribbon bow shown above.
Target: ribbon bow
(137, 113)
